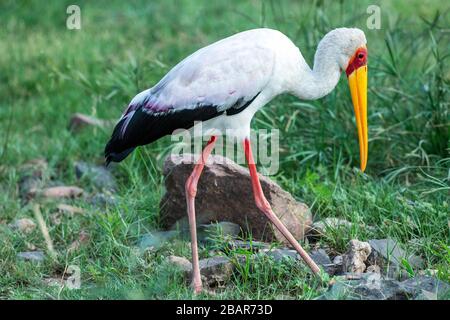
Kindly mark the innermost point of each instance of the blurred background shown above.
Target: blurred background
(48, 73)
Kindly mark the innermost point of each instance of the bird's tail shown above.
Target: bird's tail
(117, 149)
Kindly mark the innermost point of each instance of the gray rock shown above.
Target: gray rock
(180, 262)
(103, 200)
(34, 256)
(323, 259)
(427, 288)
(223, 180)
(155, 239)
(373, 286)
(24, 225)
(216, 271)
(388, 255)
(368, 286)
(355, 257)
(100, 176)
(32, 174)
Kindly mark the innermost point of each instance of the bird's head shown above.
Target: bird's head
(349, 48)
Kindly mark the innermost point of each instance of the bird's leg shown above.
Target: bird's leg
(264, 206)
(191, 192)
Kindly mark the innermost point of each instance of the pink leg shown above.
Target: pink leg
(191, 192)
(264, 206)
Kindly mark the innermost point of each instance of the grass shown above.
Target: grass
(49, 72)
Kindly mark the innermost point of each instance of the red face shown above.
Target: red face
(359, 59)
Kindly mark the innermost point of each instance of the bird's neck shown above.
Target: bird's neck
(319, 81)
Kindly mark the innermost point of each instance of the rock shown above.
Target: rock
(24, 225)
(321, 258)
(388, 252)
(79, 121)
(221, 184)
(373, 286)
(71, 210)
(34, 168)
(368, 286)
(62, 192)
(427, 288)
(103, 200)
(83, 239)
(338, 262)
(54, 282)
(156, 239)
(216, 271)
(99, 176)
(181, 263)
(35, 256)
(388, 255)
(355, 257)
(373, 269)
(31, 177)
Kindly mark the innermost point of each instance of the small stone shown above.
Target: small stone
(100, 176)
(62, 192)
(55, 218)
(338, 260)
(181, 263)
(71, 210)
(373, 269)
(35, 256)
(103, 200)
(79, 121)
(54, 282)
(355, 257)
(24, 225)
(216, 271)
(321, 258)
(83, 239)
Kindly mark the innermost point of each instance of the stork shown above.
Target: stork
(224, 84)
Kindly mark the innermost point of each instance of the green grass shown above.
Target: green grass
(49, 72)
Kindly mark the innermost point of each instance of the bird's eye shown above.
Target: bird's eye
(361, 56)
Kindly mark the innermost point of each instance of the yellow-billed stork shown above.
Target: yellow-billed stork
(224, 84)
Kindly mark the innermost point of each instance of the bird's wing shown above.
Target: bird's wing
(223, 77)
(220, 75)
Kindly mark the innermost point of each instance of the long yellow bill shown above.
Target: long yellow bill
(358, 88)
